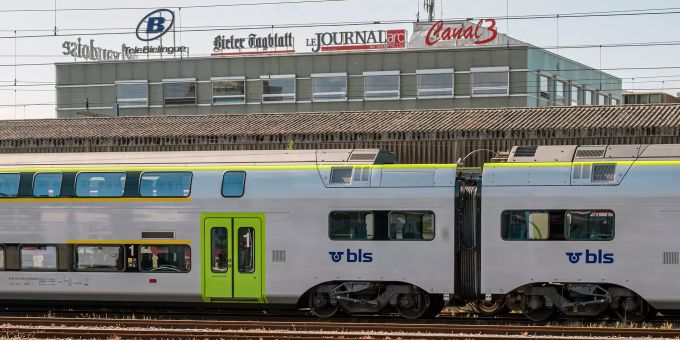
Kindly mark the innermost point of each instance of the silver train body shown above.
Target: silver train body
(580, 230)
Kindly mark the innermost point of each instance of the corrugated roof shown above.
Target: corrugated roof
(454, 120)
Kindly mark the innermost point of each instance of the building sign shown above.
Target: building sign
(155, 24)
(90, 52)
(357, 40)
(254, 44)
(456, 33)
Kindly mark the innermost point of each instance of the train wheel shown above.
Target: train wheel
(492, 307)
(321, 306)
(540, 314)
(413, 306)
(632, 309)
(436, 306)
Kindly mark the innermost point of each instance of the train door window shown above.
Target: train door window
(233, 183)
(246, 250)
(165, 258)
(100, 184)
(39, 257)
(351, 225)
(592, 225)
(219, 251)
(9, 185)
(411, 225)
(525, 225)
(165, 184)
(99, 258)
(47, 185)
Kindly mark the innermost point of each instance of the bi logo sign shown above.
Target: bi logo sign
(590, 256)
(351, 256)
(155, 24)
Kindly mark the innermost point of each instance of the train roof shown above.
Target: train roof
(195, 158)
(585, 153)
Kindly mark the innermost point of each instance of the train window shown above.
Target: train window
(99, 258)
(2, 258)
(100, 184)
(38, 257)
(47, 185)
(525, 225)
(220, 251)
(595, 225)
(9, 185)
(165, 258)
(246, 250)
(341, 175)
(351, 225)
(411, 225)
(233, 183)
(165, 184)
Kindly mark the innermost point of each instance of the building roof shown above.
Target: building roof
(454, 120)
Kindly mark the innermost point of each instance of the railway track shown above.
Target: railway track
(155, 329)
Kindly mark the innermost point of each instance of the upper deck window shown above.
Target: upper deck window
(132, 93)
(490, 81)
(179, 91)
(329, 87)
(278, 88)
(100, 184)
(9, 185)
(165, 184)
(381, 85)
(47, 185)
(233, 183)
(229, 90)
(435, 83)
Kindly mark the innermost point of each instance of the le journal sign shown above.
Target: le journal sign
(357, 40)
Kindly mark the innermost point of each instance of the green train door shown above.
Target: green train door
(232, 258)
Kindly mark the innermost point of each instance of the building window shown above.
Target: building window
(165, 184)
(544, 87)
(233, 183)
(589, 225)
(616, 102)
(560, 95)
(47, 185)
(381, 85)
(558, 225)
(165, 258)
(99, 258)
(574, 95)
(9, 185)
(601, 99)
(490, 81)
(435, 83)
(227, 91)
(179, 91)
(329, 87)
(100, 184)
(280, 88)
(588, 98)
(133, 93)
(412, 225)
(39, 257)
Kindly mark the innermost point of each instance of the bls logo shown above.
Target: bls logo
(155, 24)
(591, 257)
(358, 256)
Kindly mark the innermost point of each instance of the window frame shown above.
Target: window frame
(61, 181)
(330, 75)
(494, 69)
(123, 259)
(270, 95)
(21, 262)
(435, 72)
(75, 190)
(141, 177)
(180, 81)
(243, 192)
(139, 257)
(368, 74)
(214, 80)
(132, 82)
(18, 186)
(564, 224)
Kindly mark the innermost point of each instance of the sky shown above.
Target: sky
(35, 95)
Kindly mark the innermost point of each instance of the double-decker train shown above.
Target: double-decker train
(579, 230)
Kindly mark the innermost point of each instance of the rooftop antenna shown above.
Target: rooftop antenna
(429, 7)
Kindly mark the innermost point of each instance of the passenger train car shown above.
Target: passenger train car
(321, 229)
(576, 230)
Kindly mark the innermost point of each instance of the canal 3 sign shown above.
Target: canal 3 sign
(155, 24)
